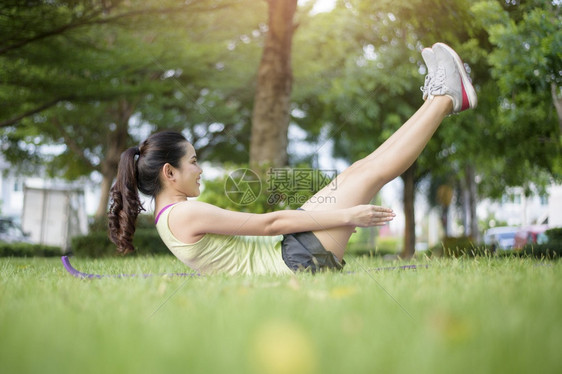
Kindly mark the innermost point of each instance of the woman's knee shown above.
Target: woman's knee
(356, 168)
(370, 172)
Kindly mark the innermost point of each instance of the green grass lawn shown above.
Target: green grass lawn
(483, 315)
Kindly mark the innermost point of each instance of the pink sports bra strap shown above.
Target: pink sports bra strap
(162, 211)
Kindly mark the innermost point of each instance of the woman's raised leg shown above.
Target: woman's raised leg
(359, 183)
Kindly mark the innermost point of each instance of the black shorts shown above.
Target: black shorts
(303, 251)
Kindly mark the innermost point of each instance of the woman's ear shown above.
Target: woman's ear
(168, 172)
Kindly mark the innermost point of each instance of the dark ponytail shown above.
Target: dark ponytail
(125, 202)
(139, 169)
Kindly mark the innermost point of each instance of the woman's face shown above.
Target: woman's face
(189, 173)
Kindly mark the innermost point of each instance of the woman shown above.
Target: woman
(214, 240)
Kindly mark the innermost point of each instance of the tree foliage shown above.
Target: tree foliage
(526, 66)
(98, 75)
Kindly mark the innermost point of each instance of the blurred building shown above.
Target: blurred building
(11, 190)
(516, 209)
(51, 211)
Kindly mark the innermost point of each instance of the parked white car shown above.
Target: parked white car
(502, 237)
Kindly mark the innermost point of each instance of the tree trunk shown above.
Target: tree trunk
(465, 209)
(271, 114)
(116, 144)
(445, 220)
(557, 99)
(469, 197)
(444, 198)
(105, 186)
(410, 226)
(472, 194)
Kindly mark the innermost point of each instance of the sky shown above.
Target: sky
(321, 5)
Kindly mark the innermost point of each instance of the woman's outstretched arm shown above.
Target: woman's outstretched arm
(191, 220)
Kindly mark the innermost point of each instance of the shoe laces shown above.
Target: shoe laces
(438, 82)
(426, 85)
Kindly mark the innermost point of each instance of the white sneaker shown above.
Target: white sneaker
(451, 79)
(431, 64)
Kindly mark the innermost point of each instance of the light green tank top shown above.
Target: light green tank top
(226, 254)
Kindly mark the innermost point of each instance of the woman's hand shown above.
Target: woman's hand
(370, 215)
